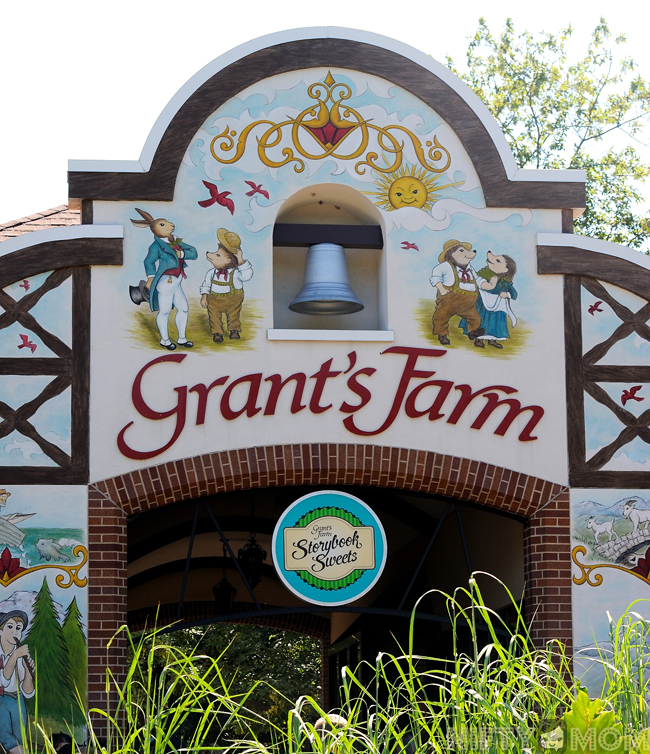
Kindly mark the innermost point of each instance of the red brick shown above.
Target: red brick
(546, 536)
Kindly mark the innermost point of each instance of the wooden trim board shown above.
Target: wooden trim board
(157, 184)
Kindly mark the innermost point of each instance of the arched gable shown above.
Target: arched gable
(153, 177)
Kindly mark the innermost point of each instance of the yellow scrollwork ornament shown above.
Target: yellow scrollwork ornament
(587, 575)
(70, 576)
(336, 130)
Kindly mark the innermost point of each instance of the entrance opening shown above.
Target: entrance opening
(178, 553)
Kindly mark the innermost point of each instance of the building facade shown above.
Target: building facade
(475, 373)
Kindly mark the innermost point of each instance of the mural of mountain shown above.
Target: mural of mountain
(591, 508)
(25, 601)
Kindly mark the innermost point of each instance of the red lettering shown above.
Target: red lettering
(444, 388)
(359, 389)
(495, 397)
(409, 373)
(250, 407)
(514, 409)
(352, 358)
(276, 386)
(203, 391)
(467, 396)
(179, 410)
(321, 377)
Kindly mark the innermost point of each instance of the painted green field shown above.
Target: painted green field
(143, 328)
(517, 342)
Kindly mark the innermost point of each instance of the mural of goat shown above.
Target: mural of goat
(639, 518)
(607, 527)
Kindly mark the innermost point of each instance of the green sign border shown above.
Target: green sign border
(308, 578)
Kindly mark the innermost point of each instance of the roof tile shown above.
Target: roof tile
(51, 218)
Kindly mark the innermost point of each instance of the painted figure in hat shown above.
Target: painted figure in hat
(164, 266)
(10, 534)
(496, 292)
(222, 291)
(16, 679)
(457, 286)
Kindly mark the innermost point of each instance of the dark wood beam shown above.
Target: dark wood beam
(620, 373)
(348, 236)
(55, 255)
(158, 183)
(568, 260)
(37, 365)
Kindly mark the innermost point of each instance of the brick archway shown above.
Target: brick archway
(544, 505)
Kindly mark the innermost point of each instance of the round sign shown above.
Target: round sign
(329, 548)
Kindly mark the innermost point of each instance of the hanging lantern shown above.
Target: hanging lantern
(224, 595)
(326, 286)
(251, 558)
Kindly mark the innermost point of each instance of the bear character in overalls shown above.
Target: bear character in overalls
(457, 286)
(222, 291)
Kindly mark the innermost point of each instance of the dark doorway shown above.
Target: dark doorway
(178, 553)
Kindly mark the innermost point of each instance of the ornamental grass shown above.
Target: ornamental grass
(502, 695)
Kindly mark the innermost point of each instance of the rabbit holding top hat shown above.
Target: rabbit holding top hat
(222, 292)
(165, 265)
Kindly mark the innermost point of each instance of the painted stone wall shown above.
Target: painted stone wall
(611, 566)
(459, 351)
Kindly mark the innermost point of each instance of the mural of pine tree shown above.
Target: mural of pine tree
(75, 642)
(47, 646)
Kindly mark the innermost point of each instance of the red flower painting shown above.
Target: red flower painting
(9, 567)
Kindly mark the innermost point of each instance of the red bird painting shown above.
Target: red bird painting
(256, 189)
(219, 198)
(631, 395)
(595, 307)
(406, 245)
(25, 285)
(27, 343)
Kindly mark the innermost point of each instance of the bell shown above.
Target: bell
(326, 287)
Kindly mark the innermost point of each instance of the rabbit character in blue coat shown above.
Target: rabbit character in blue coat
(164, 266)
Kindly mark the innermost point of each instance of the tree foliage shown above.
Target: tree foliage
(588, 114)
(283, 664)
(75, 642)
(56, 697)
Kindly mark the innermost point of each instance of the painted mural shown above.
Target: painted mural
(334, 127)
(610, 549)
(35, 322)
(202, 278)
(481, 299)
(43, 606)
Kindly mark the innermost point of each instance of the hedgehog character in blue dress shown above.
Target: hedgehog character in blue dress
(496, 293)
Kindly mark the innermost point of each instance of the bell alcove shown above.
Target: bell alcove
(356, 225)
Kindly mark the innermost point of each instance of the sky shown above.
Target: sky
(87, 80)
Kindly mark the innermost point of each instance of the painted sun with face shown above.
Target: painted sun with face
(408, 186)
